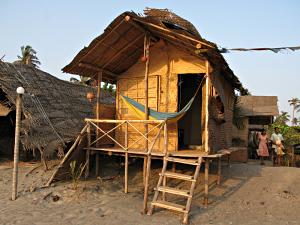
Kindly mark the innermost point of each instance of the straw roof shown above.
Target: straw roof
(258, 105)
(121, 45)
(54, 109)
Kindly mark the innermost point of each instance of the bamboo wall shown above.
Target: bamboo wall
(106, 112)
(166, 62)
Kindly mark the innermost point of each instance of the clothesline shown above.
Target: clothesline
(275, 50)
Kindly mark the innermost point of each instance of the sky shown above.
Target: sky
(58, 30)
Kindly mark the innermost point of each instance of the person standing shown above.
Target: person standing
(263, 146)
(277, 145)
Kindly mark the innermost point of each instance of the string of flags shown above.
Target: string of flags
(275, 50)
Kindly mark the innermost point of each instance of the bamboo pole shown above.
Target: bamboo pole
(206, 107)
(67, 155)
(99, 79)
(20, 92)
(219, 170)
(174, 33)
(147, 160)
(206, 182)
(126, 158)
(87, 156)
(165, 155)
(120, 121)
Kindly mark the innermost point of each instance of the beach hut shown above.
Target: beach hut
(159, 60)
(168, 80)
(49, 122)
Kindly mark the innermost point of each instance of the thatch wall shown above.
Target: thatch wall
(54, 110)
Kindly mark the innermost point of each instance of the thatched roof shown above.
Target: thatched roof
(258, 105)
(54, 109)
(121, 45)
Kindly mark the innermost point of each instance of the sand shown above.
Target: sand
(249, 194)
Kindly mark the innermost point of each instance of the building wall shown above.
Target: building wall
(220, 134)
(166, 62)
(243, 133)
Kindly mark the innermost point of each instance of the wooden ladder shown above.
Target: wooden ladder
(162, 188)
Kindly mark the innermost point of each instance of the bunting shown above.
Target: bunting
(275, 50)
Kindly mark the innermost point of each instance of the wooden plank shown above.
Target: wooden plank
(178, 176)
(183, 161)
(169, 205)
(174, 191)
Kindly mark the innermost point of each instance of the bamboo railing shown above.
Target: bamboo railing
(126, 148)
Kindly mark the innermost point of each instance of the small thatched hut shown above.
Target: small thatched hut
(159, 59)
(49, 120)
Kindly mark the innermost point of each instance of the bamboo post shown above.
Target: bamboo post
(206, 173)
(219, 170)
(99, 79)
(206, 106)
(165, 155)
(78, 139)
(20, 92)
(147, 160)
(126, 158)
(87, 156)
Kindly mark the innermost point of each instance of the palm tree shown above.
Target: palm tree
(283, 118)
(28, 56)
(295, 121)
(295, 103)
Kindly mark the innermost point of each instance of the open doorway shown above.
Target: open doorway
(189, 127)
(7, 127)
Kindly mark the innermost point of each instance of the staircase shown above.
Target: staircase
(161, 187)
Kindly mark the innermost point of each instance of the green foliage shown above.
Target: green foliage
(76, 172)
(291, 134)
(28, 56)
(105, 86)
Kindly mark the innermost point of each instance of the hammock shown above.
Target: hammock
(139, 109)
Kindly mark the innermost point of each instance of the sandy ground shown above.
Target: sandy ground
(249, 194)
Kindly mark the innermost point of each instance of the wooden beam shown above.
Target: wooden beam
(126, 159)
(98, 104)
(174, 33)
(121, 121)
(97, 69)
(147, 160)
(87, 154)
(206, 182)
(122, 50)
(206, 107)
(98, 43)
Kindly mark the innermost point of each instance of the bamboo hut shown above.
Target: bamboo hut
(169, 80)
(49, 120)
(158, 60)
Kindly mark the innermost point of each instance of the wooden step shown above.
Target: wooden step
(174, 191)
(169, 205)
(183, 161)
(178, 176)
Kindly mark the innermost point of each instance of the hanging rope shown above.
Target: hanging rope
(35, 100)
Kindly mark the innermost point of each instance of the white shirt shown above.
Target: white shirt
(275, 137)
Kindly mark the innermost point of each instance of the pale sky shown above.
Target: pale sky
(58, 29)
